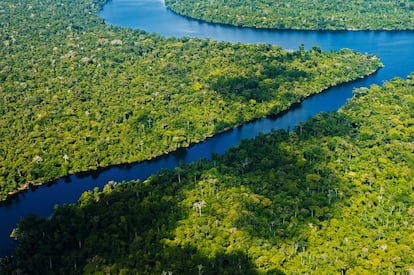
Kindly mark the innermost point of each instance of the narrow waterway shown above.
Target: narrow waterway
(394, 49)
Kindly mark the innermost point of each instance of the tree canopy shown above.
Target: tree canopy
(332, 196)
(302, 14)
(78, 94)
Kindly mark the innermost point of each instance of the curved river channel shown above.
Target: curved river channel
(394, 49)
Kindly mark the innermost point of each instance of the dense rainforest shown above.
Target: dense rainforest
(78, 94)
(333, 196)
(302, 14)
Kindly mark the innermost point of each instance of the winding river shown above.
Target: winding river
(394, 49)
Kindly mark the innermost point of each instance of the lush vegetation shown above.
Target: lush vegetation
(302, 14)
(78, 94)
(333, 196)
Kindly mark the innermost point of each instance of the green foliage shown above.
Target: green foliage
(333, 196)
(302, 14)
(78, 94)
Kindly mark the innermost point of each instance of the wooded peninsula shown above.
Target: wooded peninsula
(79, 94)
(325, 198)
(301, 14)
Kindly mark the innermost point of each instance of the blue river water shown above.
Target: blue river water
(394, 49)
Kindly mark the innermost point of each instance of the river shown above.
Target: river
(394, 49)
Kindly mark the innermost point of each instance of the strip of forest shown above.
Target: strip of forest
(334, 196)
(78, 94)
(301, 14)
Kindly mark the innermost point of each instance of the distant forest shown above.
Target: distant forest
(334, 196)
(302, 14)
(78, 94)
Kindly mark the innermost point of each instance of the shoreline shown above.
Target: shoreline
(287, 29)
(32, 185)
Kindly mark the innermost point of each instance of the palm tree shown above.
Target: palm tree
(200, 268)
(198, 205)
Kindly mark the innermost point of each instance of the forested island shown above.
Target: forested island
(302, 14)
(334, 196)
(78, 94)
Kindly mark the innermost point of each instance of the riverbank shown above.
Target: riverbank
(303, 15)
(63, 113)
(270, 204)
(34, 185)
(395, 51)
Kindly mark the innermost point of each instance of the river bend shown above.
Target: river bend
(394, 49)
